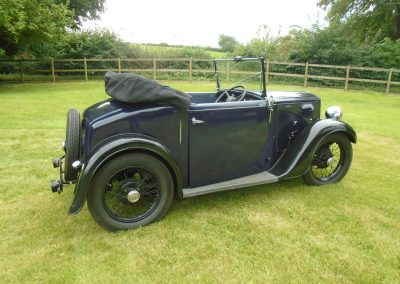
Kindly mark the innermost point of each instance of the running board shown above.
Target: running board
(257, 179)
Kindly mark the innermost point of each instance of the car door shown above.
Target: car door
(227, 140)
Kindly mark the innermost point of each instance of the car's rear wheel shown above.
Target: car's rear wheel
(130, 191)
(331, 160)
(72, 144)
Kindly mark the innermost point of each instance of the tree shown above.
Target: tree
(263, 45)
(369, 20)
(90, 44)
(227, 43)
(30, 26)
(83, 9)
(33, 27)
(322, 46)
(385, 54)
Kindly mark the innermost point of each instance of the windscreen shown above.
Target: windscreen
(232, 73)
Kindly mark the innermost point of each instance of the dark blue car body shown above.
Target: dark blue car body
(210, 146)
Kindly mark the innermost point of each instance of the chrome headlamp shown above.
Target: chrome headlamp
(334, 112)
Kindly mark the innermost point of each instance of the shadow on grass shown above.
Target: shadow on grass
(243, 195)
(226, 201)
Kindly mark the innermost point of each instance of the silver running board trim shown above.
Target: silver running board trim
(257, 179)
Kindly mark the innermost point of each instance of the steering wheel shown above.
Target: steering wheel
(230, 96)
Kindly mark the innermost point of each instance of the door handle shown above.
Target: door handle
(196, 121)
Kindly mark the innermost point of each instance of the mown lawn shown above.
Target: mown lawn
(285, 232)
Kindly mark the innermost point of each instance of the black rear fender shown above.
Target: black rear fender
(112, 150)
(297, 158)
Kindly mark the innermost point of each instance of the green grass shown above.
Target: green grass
(217, 54)
(284, 232)
(150, 50)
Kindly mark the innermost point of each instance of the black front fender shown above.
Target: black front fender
(297, 159)
(111, 150)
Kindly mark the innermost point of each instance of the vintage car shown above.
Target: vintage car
(131, 154)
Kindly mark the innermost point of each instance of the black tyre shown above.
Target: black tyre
(72, 144)
(130, 191)
(331, 160)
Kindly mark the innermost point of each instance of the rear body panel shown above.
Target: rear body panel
(111, 120)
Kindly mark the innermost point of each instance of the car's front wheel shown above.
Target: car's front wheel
(331, 160)
(130, 191)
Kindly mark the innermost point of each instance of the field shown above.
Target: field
(285, 232)
(159, 51)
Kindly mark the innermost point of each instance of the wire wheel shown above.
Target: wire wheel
(131, 194)
(331, 160)
(130, 191)
(327, 161)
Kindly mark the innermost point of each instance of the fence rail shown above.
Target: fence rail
(195, 68)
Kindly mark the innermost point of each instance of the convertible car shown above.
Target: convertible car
(131, 154)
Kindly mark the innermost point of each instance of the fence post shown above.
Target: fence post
(154, 69)
(267, 72)
(306, 75)
(389, 80)
(20, 70)
(119, 64)
(228, 70)
(190, 68)
(346, 84)
(85, 66)
(53, 73)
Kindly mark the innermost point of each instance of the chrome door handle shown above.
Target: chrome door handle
(196, 121)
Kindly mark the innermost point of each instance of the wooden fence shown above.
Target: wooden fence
(303, 73)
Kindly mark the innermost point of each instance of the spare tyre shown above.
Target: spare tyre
(72, 144)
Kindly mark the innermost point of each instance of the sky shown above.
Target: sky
(179, 22)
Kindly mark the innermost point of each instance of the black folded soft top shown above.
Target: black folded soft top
(132, 88)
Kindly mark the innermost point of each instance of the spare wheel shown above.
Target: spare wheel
(72, 144)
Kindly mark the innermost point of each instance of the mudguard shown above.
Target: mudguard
(112, 149)
(297, 158)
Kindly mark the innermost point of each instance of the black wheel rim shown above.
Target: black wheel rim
(136, 181)
(327, 161)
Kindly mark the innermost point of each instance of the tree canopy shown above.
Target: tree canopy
(83, 9)
(27, 25)
(369, 20)
(227, 43)
(33, 26)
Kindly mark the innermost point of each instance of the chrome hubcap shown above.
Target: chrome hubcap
(133, 196)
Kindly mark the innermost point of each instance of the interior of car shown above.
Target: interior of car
(234, 94)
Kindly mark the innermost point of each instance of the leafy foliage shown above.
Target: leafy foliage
(360, 32)
(331, 46)
(33, 27)
(263, 45)
(324, 45)
(388, 52)
(83, 9)
(369, 20)
(89, 44)
(227, 43)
